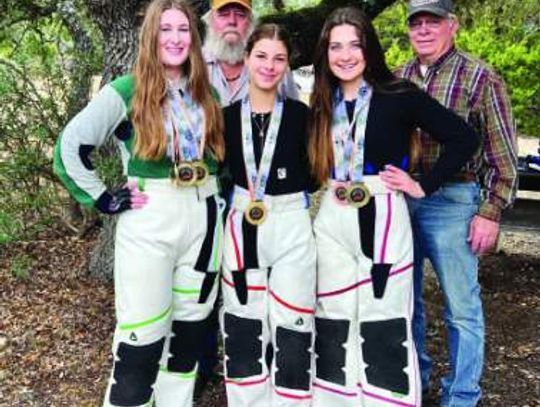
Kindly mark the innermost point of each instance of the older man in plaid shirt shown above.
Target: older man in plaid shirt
(461, 220)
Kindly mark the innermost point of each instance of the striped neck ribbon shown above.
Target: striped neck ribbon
(257, 180)
(348, 139)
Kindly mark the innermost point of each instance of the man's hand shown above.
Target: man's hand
(483, 234)
(396, 179)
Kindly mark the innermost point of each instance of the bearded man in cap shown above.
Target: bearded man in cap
(229, 24)
(461, 220)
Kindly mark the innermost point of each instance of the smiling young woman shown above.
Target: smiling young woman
(167, 252)
(346, 59)
(174, 42)
(267, 63)
(269, 253)
(361, 121)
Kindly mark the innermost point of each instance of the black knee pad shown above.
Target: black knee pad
(293, 359)
(330, 336)
(134, 373)
(243, 347)
(385, 355)
(186, 345)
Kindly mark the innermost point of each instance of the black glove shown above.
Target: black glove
(114, 202)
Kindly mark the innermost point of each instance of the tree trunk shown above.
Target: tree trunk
(304, 25)
(119, 22)
(81, 72)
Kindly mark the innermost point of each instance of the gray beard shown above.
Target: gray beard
(222, 50)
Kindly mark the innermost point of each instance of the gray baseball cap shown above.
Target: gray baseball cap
(438, 7)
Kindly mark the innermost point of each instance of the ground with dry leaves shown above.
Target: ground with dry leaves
(56, 325)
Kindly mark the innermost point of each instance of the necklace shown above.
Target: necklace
(261, 121)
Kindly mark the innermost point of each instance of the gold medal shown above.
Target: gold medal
(183, 174)
(340, 193)
(202, 172)
(358, 195)
(256, 213)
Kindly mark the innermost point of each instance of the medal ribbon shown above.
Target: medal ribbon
(349, 150)
(257, 180)
(184, 125)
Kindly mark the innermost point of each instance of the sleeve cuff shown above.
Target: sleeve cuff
(490, 211)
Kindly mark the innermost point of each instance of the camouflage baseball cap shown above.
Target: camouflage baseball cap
(438, 7)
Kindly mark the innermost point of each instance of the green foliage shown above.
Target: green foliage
(390, 26)
(21, 266)
(505, 34)
(36, 78)
(40, 63)
(264, 6)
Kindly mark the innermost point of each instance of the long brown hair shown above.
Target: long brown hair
(151, 86)
(377, 74)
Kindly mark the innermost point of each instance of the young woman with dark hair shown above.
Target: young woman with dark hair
(361, 122)
(169, 129)
(269, 250)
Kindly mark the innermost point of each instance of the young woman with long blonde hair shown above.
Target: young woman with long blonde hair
(361, 123)
(169, 129)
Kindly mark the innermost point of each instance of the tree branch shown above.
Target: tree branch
(304, 25)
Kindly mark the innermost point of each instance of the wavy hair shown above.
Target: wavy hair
(376, 73)
(151, 86)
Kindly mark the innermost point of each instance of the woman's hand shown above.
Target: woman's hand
(120, 200)
(396, 179)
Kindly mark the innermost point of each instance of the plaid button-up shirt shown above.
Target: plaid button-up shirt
(473, 90)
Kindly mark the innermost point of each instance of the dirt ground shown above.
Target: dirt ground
(56, 325)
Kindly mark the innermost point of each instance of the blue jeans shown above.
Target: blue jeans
(441, 226)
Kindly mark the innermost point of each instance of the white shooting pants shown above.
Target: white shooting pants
(365, 354)
(167, 256)
(269, 304)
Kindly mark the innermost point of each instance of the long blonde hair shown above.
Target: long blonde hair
(151, 86)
